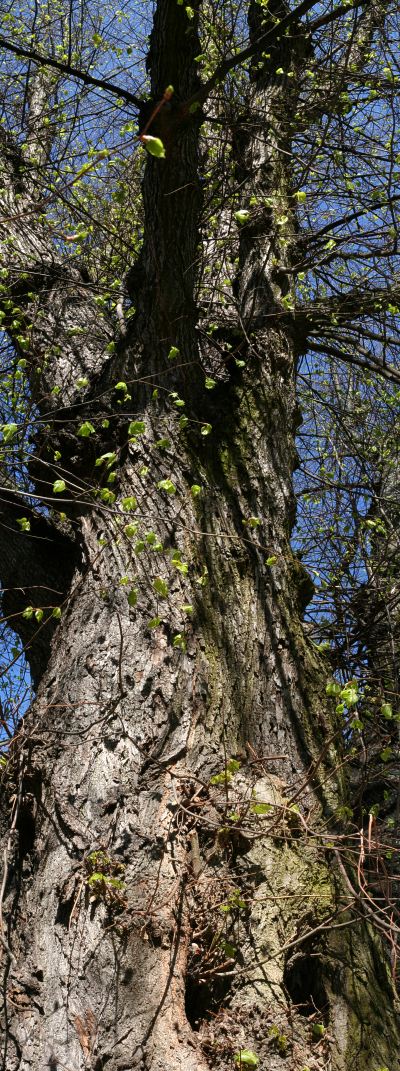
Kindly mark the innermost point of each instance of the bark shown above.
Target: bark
(170, 892)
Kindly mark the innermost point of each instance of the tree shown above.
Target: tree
(180, 880)
(348, 519)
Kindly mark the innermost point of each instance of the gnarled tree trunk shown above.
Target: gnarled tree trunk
(171, 894)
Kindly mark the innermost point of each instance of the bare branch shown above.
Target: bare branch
(73, 72)
(265, 40)
(389, 372)
(349, 306)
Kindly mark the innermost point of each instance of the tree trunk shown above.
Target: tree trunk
(173, 894)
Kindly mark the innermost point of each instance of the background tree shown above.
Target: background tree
(180, 875)
(348, 527)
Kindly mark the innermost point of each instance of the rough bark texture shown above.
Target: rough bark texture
(171, 893)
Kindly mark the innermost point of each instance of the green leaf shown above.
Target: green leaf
(129, 503)
(179, 402)
(154, 623)
(82, 382)
(9, 430)
(86, 429)
(56, 612)
(153, 145)
(261, 808)
(226, 775)
(24, 524)
(160, 587)
(233, 766)
(221, 779)
(333, 688)
(300, 196)
(95, 878)
(386, 709)
(202, 580)
(318, 1030)
(39, 615)
(271, 560)
(179, 641)
(228, 949)
(173, 353)
(168, 486)
(195, 490)
(357, 724)
(108, 458)
(133, 597)
(129, 128)
(242, 216)
(153, 541)
(247, 1058)
(209, 383)
(115, 882)
(58, 487)
(28, 612)
(206, 429)
(350, 696)
(181, 566)
(136, 427)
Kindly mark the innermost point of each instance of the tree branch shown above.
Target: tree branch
(349, 306)
(73, 72)
(329, 93)
(366, 362)
(54, 317)
(265, 40)
(325, 20)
